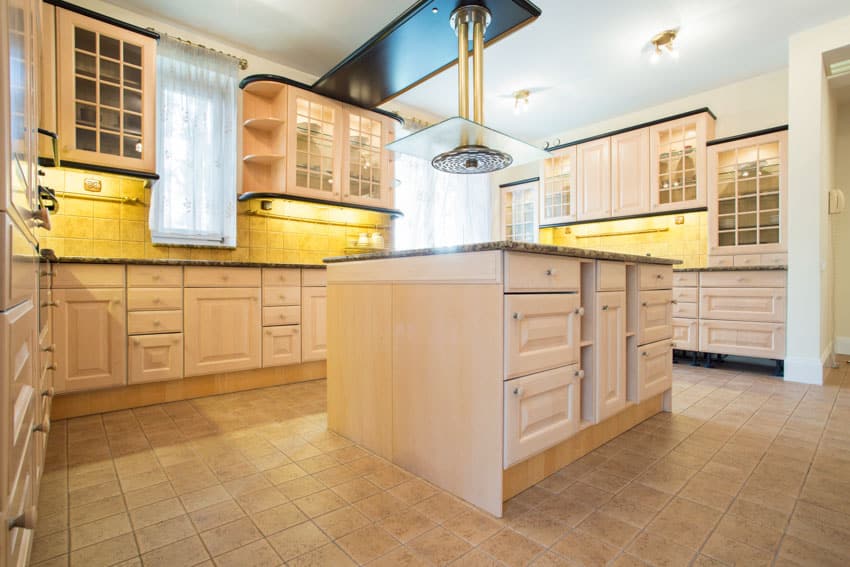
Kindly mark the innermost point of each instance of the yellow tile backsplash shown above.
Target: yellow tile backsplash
(687, 241)
(91, 228)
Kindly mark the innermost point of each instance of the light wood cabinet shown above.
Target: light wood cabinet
(106, 93)
(367, 168)
(315, 145)
(630, 173)
(610, 346)
(747, 212)
(655, 370)
(677, 162)
(19, 261)
(765, 340)
(281, 345)
(594, 180)
(743, 304)
(264, 137)
(542, 331)
(90, 339)
(541, 410)
(685, 334)
(655, 316)
(314, 323)
(536, 272)
(558, 190)
(154, 358)
(208, 312)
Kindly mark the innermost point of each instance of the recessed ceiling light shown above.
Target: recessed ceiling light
(664, 41)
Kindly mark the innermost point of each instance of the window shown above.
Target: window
(440, 209)
(194, 201)
(519, 203)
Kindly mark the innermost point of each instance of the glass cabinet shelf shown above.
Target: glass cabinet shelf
(557, 195)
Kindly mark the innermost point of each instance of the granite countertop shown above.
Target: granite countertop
(507, 245)
(733, 269)
(169, 262)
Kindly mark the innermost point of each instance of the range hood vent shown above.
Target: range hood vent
(461, 145)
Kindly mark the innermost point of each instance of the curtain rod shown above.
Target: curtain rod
(241, 61)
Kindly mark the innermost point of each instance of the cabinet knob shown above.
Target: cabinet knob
(269, 333)
(518, 391)
(137, 342)
(43, 427)
(604, 308)
(644, 353)
(294, 331)
(579, 311)
(50, 304)
(49, 393)
(225, 277)
(659, 276)
(48, 348)
(517, 316)
(156, 277)
(579, 374)
(48, 273)
(52, 366)
(25, 521)
(156, 322)
(674, 302)
(644, 304)
(156, 300)
(550, 272)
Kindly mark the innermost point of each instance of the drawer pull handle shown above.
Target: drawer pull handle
(659, 276)
(518, 316)
(579, 374)
(579, 311)
(604, 308)
(43, 427)
(644, 353)
(25, 521)
(674, 302)
(48, 348)
(49, 393)
(518, 391)
(644, 304)
(52, 366)
(550, 272)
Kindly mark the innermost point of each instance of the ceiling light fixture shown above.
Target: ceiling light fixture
(521, 101)
(664, 40)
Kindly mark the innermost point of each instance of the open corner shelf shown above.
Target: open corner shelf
(265, 89)
(264, 124)
(263, 158)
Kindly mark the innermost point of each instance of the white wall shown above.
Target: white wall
(811, 113)
(841, 231)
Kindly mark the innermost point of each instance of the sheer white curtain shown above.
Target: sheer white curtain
(194, 201)
(439, 209)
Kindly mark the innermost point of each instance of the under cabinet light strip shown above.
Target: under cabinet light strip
(316, 221)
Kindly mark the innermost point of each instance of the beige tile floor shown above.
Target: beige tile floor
(747, 470)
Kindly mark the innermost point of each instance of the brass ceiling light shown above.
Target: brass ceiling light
(664, 40)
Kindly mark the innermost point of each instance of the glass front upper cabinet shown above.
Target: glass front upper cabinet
(557, 192)
(677, 167)
(367, 165)
(747, 195)
(106, 94)
(519, 205)
(315, 127)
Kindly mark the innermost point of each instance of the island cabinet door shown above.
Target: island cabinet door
(281, 345)
(610, 346)
(541, 410)
(655, 370)
(314, 323)
(655, 319)
(542, 331)
(685, 334)
(222, 329)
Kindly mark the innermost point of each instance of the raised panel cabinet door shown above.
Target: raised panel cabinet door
(365, 171)
(106, 88)
(655, 316)
(762, 340)
(558, 189)
(20, 266)
(314, 146)
(222, 330)
(685, 334)
(542, 331)
(281, 345)
(630, 173)
(655, 370)
(594, 179)
(743, 304)
(314, 323)
(677, 167)
(610, 355)
(90, 339)
(541, 410)
(154, 358)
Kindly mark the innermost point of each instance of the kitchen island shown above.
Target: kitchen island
(485, 368)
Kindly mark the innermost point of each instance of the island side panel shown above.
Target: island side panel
(360, 364)
(447, 389)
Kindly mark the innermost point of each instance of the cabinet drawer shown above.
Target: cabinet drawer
(87, 275)
(721, 261)
(655, 276)
(290, 315)
(610, 276)
(160, 299)
(21, 510)
(686, 294)
(743, 304)
(150, 322)
(774, 259)
(655, 316)
(540, 272)
(314, 277)
(19, 274)
(154, 358)
(282, 295)
(281, 276)
(685, 279)
(685, 334)
(281, 345)
(744, 260)
(766, 340)
(18, 356)
(203, 276)
(541, 411)
(772, 278)
(686, 309)
(655, 370)
(154, 276)
(541, 332)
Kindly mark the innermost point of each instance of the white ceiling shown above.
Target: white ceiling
(591, 59)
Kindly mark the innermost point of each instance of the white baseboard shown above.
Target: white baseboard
(804, 370)
(842, 345)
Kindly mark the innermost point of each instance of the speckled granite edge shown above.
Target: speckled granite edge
(507, 245)
(169, 262)
(734, 269)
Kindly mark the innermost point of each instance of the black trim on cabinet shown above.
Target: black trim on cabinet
(293, 83)
(635, 127)
(747, 135)
(48, 162)
(520, 182)
(289, 197)
(640, 216)
(103, 18)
